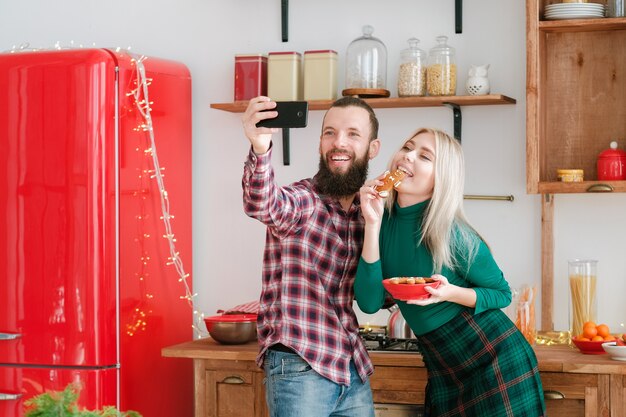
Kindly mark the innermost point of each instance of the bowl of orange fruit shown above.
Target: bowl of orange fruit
(592, 337)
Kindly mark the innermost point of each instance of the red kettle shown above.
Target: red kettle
(612, 164)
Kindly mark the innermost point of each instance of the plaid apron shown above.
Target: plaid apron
(481, 366)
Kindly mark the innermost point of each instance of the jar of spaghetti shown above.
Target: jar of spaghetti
(582, 284)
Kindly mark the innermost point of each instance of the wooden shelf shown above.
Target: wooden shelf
(454, 102)
(393, 103)
(583, 25)
(556, 187)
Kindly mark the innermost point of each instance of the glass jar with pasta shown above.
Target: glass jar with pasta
(582, 283)
(441, 70)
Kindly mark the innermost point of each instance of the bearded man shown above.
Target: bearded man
(314, 361)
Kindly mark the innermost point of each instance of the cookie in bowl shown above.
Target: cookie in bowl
(409, 288)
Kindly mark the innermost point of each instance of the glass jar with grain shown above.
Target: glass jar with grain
(412, 71)
(441, 71)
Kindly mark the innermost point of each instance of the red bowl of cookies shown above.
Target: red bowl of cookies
(409, 288)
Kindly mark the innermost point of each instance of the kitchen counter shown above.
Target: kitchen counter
(550, 358)
(228, 382)
(209, 349)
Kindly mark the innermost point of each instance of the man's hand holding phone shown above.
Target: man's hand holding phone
(291, 114)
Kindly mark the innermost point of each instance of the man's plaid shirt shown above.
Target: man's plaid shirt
(311, 254)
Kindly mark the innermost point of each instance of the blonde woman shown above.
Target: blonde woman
(478, 363)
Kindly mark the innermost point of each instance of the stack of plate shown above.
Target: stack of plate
(574, 11)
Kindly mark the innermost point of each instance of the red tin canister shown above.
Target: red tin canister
(250, 76)
(612, 164)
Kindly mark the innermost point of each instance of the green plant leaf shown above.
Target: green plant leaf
(64, 404)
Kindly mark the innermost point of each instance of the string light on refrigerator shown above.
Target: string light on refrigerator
(143, 105)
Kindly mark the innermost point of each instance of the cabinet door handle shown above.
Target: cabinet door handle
(233, 380)
(6, 397)
(10, 336)
(600, 188)
(553, 395)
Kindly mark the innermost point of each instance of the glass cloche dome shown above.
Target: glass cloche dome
(366, 66)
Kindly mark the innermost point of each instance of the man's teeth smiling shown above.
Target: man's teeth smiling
(340, 158)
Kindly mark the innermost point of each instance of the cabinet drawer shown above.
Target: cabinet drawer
(576, 395)
(399, 385)
(230, 393)
(229, 389)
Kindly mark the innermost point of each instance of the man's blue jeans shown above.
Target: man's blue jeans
(293, 389)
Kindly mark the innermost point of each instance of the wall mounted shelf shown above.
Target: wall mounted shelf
(453, 102)
(392, 102)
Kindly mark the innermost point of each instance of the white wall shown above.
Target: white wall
(206, 35)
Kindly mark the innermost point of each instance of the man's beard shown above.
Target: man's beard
(341, 184)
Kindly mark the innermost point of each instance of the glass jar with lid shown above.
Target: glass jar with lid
(582, 283)
(366, 66)
(441, 71)
(412, 71)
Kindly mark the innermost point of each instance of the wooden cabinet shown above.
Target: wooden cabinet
(618, 395)
(229, 384)
(582, 395)
(575, 106)
(399, 384)
(229, 389)
(581, 385)
(575, 97)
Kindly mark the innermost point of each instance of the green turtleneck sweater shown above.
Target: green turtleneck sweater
(400, 255)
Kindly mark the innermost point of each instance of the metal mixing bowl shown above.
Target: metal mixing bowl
(231, 330)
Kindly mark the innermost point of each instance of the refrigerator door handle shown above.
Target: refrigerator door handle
(6, 397)
(10, 336)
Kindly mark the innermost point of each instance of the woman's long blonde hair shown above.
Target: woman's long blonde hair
(446, 232)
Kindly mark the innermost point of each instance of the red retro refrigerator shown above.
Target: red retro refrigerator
(86, 294)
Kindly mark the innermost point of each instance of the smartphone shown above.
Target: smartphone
(291, 114)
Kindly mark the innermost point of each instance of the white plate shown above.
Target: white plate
(574, 6)
(580, 6)
(576, 12)
(576, 16)
(601, 9)
(563, 9)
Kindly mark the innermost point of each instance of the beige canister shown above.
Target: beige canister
(320, 75)
(284, 76)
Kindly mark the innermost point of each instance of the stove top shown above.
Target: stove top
(380, 342)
